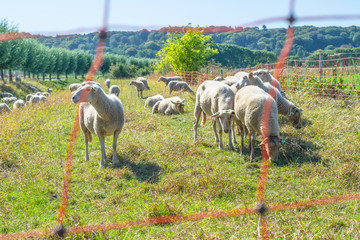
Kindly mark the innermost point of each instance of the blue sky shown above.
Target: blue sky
(69, 16)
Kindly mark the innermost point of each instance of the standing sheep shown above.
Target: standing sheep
(8, 100)
(178, 86)
(217, 100)
(166, 80)
(140, 86)
(250, 103)
(114, 89)
(144, 81)
(4, 108)
(107, 82)
(100, 114)
(266, 76)
(18, 104)
(150, 101)
(169, 106)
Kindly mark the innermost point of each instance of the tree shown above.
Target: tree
(185, 52)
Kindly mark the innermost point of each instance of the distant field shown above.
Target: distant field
(163, 172)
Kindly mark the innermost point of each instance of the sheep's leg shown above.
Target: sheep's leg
(86, 146)
(252, 140)
(233, 131)
(116, 135)
(242, 138)
(138, 93)
(215, 130)
(231, 146)
(102, 147)
(221, 146)
(197, 114)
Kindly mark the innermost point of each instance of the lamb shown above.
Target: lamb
(166, 80)
(144, 81)
(266, 76)
(140, 86)
(74, 86)
(250, 103)
(114, 89)
(107, 83)
(150, 101)
(285, 107)
(4, 108)
(18, 104)
(178, 86)
(217, 100)
(100, 114)
(169, 106)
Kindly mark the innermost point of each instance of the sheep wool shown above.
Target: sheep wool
(166, 80)
(114, 89)
(179, 86)
(139, 85)
(4, 108)
(169, 106)
(18, 104)
(150, 101)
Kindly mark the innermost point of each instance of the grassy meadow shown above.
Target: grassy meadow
(164, 172)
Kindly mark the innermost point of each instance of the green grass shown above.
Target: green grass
(163, 172)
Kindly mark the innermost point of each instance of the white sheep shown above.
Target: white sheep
(27, 98)
(46, 94)
(114, 89)
(217, 100)
(49, 90)
(4, 108)
(144, 81)
(285, 107)
(37, 99)
(241, 74)
(100, 114)
(230, 80)
(140, 86)
(218, 78)
(150, 101)
(107, 82)
(6, 94)
(179, 86)
(168, 106)
(265, 76)
(8, 100)
(252, 107)
(18, 104)
(74, 86)
(166, 80)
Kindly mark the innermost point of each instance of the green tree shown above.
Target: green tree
(185, 52)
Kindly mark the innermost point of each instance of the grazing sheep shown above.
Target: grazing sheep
(34, 99)
(178, 86)
(28, 97)
(140, 86)
(46, 94)
(241, 74)
(74, 86)
(230, 80)
(114, 89)
(100, 114)
(150, 101)
(107, 83)
(4, 108)
(266, 76)
(169, 106)
(18, 104)
(285, 107)
(8, 100)
(217, 100)
(5, 94)
(166, 80)
(144, 81)
(49, 90)
(42, 98)
(250, 103)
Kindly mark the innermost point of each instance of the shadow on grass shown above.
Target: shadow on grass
(144, 171)
(304, 122)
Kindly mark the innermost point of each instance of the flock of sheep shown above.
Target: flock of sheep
(8, 98)
(239, 101)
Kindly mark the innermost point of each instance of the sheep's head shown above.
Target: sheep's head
(272, 146)
(179, 105)
(295, 117)
(161, 79)
(85, 93)
(225, 118)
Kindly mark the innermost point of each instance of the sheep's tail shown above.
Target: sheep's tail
(156, 107)
(203, 120)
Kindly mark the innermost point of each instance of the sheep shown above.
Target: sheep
(230, 80)
(169, 106)
(42, 98)
(4, 108)
(144, 81)
(114, 90)
(49, 90)
(27, 98)
(150, 101)
(166, 80)
(6, 94)
(218, 78)
(140, 86)
(74, 86)
(100, 114)
(178, 86)
(249, 106)
(217, 100)
(107, 82)
(34, 99)
(266, 76)
(46, 94)
(241, 74)
(285, 107)
(8, 100)
(18, 104)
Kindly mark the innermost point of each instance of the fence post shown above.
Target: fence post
(320, 67)
(222, 73)
(207, 73)
(287, 75)
(356, 74)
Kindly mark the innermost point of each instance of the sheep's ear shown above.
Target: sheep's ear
(215, 114)
(183, 100)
